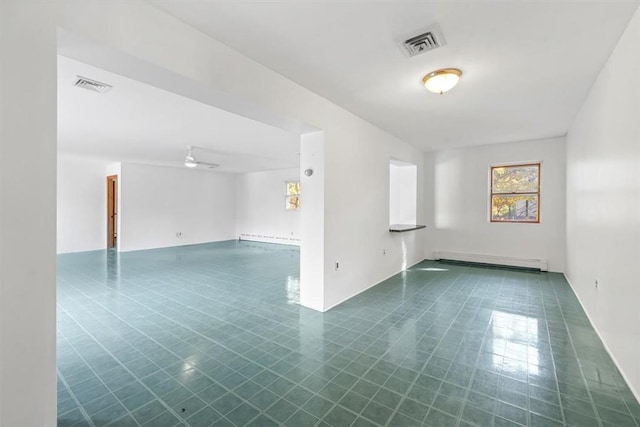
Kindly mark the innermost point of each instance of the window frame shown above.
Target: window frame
(536, 193)
(287, 195)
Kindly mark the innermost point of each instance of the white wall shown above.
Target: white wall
(429, 204)
(312, 272)
(158, 202)
(403, 193)
(603, 204)
(27, 215)
(356, 153)
(353, 229)
(357, 210)
(462, 202)
(81, 208)
(260, 207)
(155, 203)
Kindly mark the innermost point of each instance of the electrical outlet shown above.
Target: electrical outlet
(596, 283)
(337, 266)
(178, 234)
(384, 252)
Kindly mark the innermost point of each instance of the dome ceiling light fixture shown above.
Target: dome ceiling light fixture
(441, 81)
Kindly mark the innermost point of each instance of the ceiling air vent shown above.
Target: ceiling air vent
(429, 40)
(93, 85)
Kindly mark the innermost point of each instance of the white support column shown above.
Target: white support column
(312, 221)
(27, 214)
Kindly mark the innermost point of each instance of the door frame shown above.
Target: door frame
(112, 211)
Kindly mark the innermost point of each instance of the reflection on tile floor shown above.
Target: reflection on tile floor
(213, 335)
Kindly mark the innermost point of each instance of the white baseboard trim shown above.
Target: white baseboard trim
(606, 346)
(542, 264)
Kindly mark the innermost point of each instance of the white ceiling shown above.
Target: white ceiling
(527, 65)
(135, 122)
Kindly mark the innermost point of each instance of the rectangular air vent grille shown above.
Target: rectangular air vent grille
(93, 85)
(424, 42)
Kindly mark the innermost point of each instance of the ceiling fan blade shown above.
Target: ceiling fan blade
(207, 164)
(191, 162)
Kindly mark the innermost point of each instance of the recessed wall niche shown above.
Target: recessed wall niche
(403, 192)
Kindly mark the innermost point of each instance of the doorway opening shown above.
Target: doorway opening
(112, 211)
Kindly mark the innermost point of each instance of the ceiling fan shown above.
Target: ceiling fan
(191, 162)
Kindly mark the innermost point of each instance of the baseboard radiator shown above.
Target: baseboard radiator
(269, 239)
(538, 264)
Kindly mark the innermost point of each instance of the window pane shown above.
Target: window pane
(515, 179)
(293, 202)
(293, 188)
(514, 208)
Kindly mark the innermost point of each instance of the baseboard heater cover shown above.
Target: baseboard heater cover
(269, 239)
(540, 264)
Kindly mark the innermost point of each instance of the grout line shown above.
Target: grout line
(475, 367)
(573, 348)
(87, 417)
(635, 393)
(121, 364)
(164, 347)
(551, 352)
(413, 383)
(75, 399)
(188, 308)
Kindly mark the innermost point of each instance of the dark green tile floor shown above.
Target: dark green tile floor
(213, 335)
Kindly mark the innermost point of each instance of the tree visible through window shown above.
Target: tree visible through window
(293, 195)
(515, 193)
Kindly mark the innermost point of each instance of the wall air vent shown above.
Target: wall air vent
(93, 85)
(428, 40)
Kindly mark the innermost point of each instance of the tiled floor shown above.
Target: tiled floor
(213, 335)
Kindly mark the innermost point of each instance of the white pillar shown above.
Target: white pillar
(312, 221)
(27, 214)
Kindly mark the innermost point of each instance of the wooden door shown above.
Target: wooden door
(112, 210)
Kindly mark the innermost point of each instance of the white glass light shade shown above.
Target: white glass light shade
(441, 81)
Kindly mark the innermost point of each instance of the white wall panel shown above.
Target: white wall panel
(603, 204)
(81, 207)
(261, 214)
(164, 206)
(462, 204)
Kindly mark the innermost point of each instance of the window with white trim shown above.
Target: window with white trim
(292, 198)
(515, 193)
